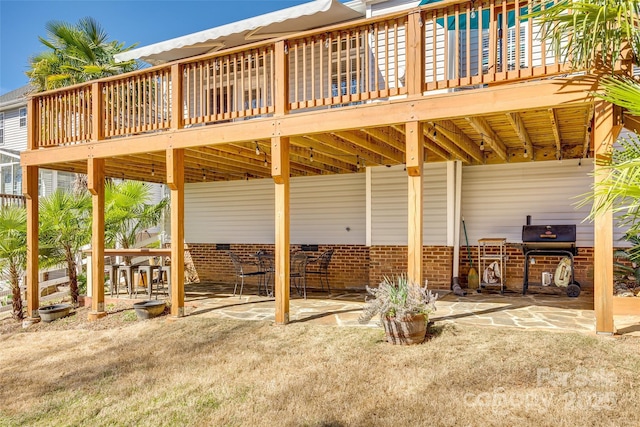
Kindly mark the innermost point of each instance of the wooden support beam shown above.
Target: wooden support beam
(556, 132)
(30, 191)
(489, 136)
(518, 126)
(281, 78)
(97, 112)
(605, 132)
(453, 132)
(95, 185)
(415, 148)
(415, 74)
(175, 182)
(415, 162)
(280, 173)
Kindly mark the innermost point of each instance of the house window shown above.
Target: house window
(1, 128)
(23, 117)
(345, 71)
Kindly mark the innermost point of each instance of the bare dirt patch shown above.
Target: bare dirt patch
(206, 371)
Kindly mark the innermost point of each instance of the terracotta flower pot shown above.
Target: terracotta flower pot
(406, 331)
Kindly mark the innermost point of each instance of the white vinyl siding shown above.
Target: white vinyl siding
(389, 205)
(1, 128)
(230, 212)
(391, 6)
(322, 208)
(14, 136)
(496, 199)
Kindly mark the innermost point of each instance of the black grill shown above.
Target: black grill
(549, 240)
(551, 237)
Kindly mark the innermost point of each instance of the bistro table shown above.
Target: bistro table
(130, 252)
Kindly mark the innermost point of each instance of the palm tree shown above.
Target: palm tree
(598, 33)
(65, 226)
(13, 251)
(128, 213)
(76, 53)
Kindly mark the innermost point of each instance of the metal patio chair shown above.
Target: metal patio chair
(298, 273)
(322, 270)
(244, 269)
(266, 265)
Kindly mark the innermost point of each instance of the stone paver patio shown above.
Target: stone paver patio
(552, 311)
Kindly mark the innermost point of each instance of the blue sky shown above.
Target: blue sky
(138, 21)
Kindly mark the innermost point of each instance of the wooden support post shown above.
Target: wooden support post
(177, 110)
(415, 75)
(415, 162)
(175, 181)
(281, 77)
(605, 132)
(30, 191)
(280, 173)
(95, 185)
(97, 112)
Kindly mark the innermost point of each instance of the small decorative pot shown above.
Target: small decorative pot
(149, 309)
(49, 313)
(406, 331)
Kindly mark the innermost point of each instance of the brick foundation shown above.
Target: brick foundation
(583, 264)
(355, 266)
(392, 260)
(349, 267)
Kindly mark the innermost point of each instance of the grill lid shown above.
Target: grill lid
(549, 234)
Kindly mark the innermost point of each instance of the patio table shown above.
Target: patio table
(131, 252)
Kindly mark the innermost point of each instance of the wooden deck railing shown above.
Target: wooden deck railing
(451, 45)
(11, 199)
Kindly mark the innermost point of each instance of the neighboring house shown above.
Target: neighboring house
(393, 121)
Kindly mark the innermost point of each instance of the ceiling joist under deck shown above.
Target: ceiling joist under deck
(520, 129)
(430, 147)
(489, 137)
(556, 132)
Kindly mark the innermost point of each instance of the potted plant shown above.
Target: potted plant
(404, 309)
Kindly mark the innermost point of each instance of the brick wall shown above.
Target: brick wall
(392, 260)
(354, 266)
(349, 267)
(583, 264)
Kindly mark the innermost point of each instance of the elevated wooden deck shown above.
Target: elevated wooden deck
(342, 94)
(457, 80)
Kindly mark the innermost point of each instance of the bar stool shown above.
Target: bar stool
(129, 273)
(146, 275)
(112, 269)
(165, 277)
